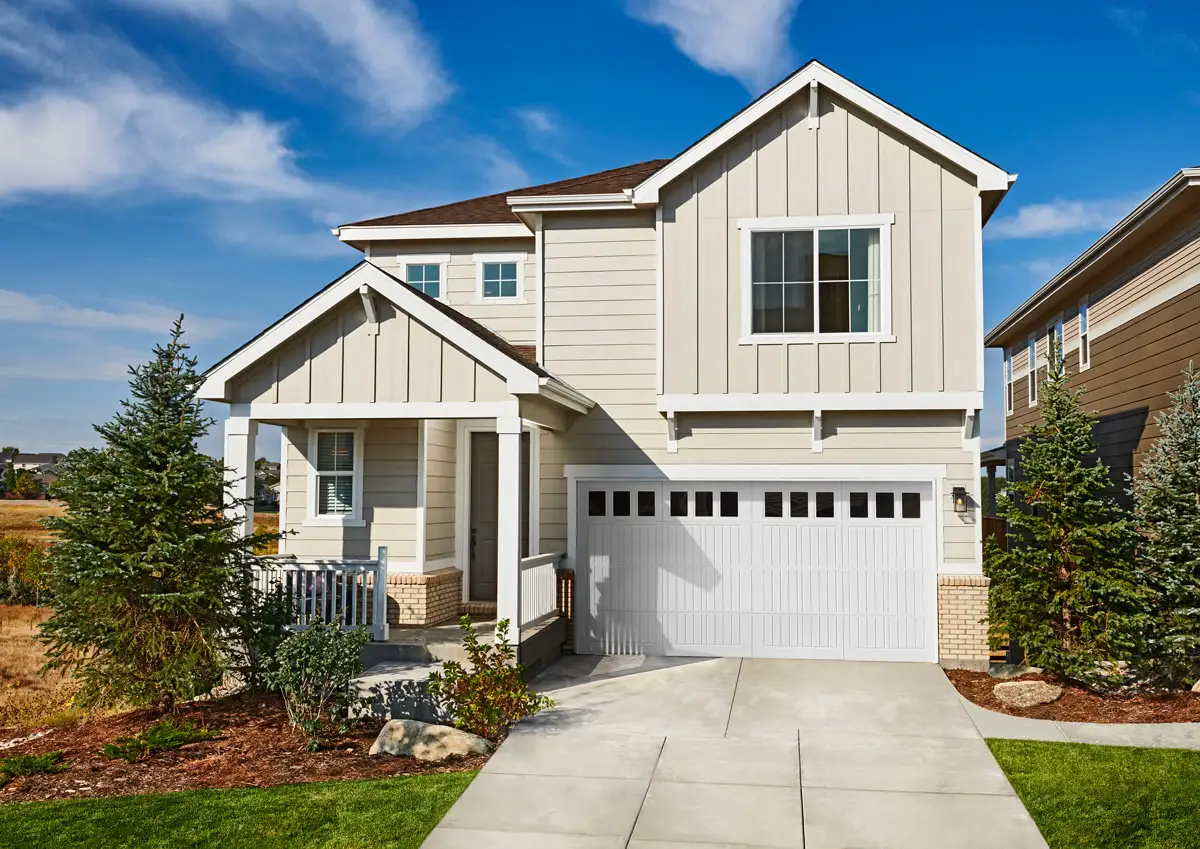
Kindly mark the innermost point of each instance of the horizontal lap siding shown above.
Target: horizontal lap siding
(440, 458)
(849, 165)
(389, 497)
(341, 358)
(515, 322)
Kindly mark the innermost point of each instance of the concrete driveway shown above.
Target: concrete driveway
(662, 753)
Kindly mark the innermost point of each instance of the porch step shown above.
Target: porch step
(478, 609)
(425, 645)
(399, 690)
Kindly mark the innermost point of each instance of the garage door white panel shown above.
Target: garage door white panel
(795, 569)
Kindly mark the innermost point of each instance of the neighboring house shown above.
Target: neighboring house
(738, 390)
(266, 484)
(44, 466)
(1127, 315)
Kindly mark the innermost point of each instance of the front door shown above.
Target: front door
(484, 484)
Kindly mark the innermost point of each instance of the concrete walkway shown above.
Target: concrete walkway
(1164, 735)
(653, 753)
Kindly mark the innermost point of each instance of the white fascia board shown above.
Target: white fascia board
(519, 377)
(901, 472)
(820, 401)
(365, 410)
(988, 176)
(806, 222)
(564, 395)
(569, 203)
(434, 231)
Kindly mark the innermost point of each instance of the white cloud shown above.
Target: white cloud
(746, 40)
(1045, 267)
(535, 119)
(135, 317)
(1136, 23)
(106, 364)
(373, 51)
(1058, 218)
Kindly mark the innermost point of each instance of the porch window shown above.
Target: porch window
(810, 279)
(336, 475)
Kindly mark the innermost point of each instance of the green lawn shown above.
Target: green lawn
(390, 812)
(1088, 797)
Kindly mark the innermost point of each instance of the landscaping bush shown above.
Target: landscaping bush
(492, 695)
(22, 571)
(1066, 590)
(166, 734)
(314, 669)
(259, 627)
(1167, 497)
(142, 567)
(19, 765)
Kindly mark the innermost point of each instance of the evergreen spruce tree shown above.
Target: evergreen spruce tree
(1167, 498)
(1065, 591)
(146, 562)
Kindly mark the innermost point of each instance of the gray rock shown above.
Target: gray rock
(1026, 693)
(426, 742)
(1196, 687)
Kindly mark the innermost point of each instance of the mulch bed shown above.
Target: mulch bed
(257, 748)
(1079, 705)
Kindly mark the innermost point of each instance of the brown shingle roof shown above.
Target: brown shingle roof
(494, 209)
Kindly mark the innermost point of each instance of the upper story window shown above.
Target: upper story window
(823, 278)
(1085, 352)
(500, 277)
(1032, 376)
(1054, 342)
(335, 476)
(1008, 382)
(426, 273)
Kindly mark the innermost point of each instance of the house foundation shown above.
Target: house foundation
(962, 622)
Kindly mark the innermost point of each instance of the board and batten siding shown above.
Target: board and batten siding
(516, 322)
(441, 446)
(600, 338)
(850, 164)
(389, 496)
(342, 359)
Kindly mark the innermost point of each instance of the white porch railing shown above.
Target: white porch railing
(539, 587)
(350, 593)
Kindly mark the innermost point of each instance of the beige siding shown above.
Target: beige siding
(440, 457)
(626, 427)
(389, 497)
(851, 164)
(341, 358)
(516, 322)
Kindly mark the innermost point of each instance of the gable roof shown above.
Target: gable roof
(1161, 205)
(990, 176)
(494, 209)
(491, 350)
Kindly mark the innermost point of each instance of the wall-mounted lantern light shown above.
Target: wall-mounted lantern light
(959, 494)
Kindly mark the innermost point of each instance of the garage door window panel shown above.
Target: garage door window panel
(704, 503)
(620, 502)
(679, 504)
(825, 505)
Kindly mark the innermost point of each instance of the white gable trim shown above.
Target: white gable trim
(519, 378)
(989, 177)
(397, 233)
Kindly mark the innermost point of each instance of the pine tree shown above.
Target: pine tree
(146, 561)
(1167, 498)
(1066, 589)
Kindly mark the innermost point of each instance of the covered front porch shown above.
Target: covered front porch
(410, 451)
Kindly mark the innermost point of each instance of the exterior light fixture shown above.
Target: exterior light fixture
(959, 494)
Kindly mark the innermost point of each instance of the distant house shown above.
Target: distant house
(44, 466)
(266, 485)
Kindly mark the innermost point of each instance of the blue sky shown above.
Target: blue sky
(167, 156)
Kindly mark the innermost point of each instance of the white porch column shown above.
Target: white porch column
(508, 525)
(240, 434)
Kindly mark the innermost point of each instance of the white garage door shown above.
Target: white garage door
(796, 570)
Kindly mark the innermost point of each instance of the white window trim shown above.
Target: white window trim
(884, 222)
(518, 258)
(353, 519)
(442, 260)
(1084, 311)
(1031, 377)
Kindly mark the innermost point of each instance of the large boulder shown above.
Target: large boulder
(1023, 694)
(1196, 687)
(425, 741)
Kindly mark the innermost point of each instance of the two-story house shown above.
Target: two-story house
(1123, 318)
(737, 390)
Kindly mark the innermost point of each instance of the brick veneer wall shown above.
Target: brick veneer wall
(962, 621)
(431, 598)
(566, 606)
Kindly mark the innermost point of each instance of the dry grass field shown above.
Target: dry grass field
(27, 697)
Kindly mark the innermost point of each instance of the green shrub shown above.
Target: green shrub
(260, 625)
(19, 765)
(22, 571)
(493, 695)
(315, 669)
(167, 734)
